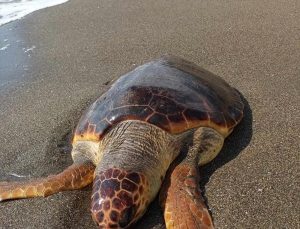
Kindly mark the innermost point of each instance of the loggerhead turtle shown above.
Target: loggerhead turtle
(127, 139)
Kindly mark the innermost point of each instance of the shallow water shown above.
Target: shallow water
(11, 10)
(14, 61)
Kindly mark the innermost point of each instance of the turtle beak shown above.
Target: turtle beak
(116, 199)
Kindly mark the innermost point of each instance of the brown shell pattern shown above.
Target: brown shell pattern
(171, 93)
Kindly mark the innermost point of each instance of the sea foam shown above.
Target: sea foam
(11, 10)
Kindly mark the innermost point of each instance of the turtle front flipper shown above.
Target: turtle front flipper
(182, 201)
(180, 195)
(74, 177)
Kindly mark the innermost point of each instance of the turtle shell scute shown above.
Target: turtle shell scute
(171, 93)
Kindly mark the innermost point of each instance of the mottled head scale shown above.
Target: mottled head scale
(118, 198)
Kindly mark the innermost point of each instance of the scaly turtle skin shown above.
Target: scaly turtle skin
(127, 139)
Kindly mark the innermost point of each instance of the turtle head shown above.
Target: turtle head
(119, 198)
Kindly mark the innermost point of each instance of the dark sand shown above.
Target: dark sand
(82, 45)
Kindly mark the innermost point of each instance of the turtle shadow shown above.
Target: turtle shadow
(233, 145)
(58, 157)
(59, 147)
(76, 214)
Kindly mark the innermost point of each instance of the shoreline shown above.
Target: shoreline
(13, 61)
(79, 47)
(14, 10)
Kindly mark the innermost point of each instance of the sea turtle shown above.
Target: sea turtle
(127, 139)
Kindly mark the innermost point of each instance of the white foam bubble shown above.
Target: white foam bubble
(29, 49)
(4, 47)
(11, 10)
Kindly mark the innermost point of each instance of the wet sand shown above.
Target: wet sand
(81, 46)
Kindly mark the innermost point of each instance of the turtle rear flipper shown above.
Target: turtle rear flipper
(74, 177)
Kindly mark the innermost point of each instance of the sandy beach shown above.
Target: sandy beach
(75, 50)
